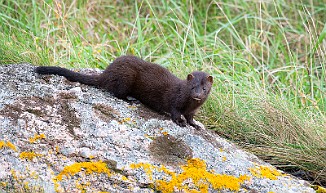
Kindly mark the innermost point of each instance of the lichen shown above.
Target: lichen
(319, 189)
(193, 178)
(147, 167)
(127, 120)
(88, 167)
(29, 155)
(8, 144)
(21, 182)
(265, 172)
(37, 137)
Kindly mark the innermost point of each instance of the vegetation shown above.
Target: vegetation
(268, 59)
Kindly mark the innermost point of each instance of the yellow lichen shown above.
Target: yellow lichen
(21, 181)
(148, 168)
(82, 186)
(124, 178)
(165, 133)
(4, 184)
(265, 172)
(195, 172)
(125, 120)
(223, 158)
(319, 189)
(29, 155)
(87, 167)
(7, 144)
(26, 187)
(37, 137)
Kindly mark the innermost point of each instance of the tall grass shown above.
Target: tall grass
(267, 58)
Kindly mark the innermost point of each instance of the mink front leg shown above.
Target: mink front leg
(176, 117)
(190, 120)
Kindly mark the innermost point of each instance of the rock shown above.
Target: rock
(60, 136)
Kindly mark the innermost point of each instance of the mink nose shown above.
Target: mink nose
(197, 96)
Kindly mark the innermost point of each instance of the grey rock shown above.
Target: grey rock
(66, 136)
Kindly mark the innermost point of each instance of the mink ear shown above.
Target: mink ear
(210, 79)
(190, 77)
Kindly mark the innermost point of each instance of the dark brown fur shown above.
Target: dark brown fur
(150, 83)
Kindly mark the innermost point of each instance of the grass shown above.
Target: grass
(268, 60)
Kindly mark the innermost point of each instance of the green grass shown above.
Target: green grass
(268, 60)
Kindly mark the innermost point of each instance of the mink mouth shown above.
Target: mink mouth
(197, 99)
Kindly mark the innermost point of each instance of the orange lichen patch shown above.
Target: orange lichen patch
(265, 172)
(193, 178)
(124, 178)
(88, 167)
(148, 168)
(124, 120)
(28, 155)
(3, 184)
(319, 189)
(37, 137)
(7, 144)
(82, 186)
(165, 133)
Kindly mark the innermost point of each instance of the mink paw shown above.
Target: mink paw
(181, 122)
(196, 126)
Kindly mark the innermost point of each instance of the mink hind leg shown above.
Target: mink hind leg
(119, 87)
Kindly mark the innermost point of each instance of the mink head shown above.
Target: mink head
(200, 84)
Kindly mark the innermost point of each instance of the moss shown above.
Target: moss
(68, 116)
(67, 95)
(105, 112)
(195, 172)
(46, 107)
(169, 150)
(35, 112)
(265, 172)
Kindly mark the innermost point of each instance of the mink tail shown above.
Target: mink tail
(70, 75)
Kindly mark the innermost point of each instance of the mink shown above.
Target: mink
(151, 84)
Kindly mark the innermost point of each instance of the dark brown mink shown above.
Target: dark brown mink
(149, 83)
